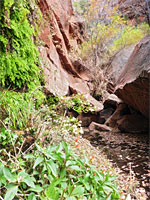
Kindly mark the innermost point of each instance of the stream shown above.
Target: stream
(129, 152)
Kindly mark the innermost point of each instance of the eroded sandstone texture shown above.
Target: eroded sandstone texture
(61, 30)
(135, 10)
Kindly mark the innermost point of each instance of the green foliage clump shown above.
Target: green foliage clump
(7, 138)
(76, 102)
(108, 32)
(19, 56)
(52, 172)
(79, 104)
(35, 163)
(19, 107)
(106, 39)
(128, 36)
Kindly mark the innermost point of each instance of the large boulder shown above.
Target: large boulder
(120, 60)
(133, 124)
(132, 85)
(116, 65)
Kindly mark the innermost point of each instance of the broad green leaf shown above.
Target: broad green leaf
(26, 179)
(51, 190)
(80, 162)
(112, 178)
(107, 189)
(3, 180)
(32, 196)
(62, 173)
(59, 148)
(70, 188)
(51, 193)
(53, 167)
(87, 185)
(69, 162)
(8, 175)
(39, 148)
(79, 190)
(64, 185)
(75, 167)
(37, 188)
(101, 176)
(29, 156)
(1, 167)
(72, 176)
(11, 193)
(38, 161)
(58, 157)
(109, 196)
(67, 152)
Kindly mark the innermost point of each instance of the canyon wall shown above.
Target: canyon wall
(61, 32)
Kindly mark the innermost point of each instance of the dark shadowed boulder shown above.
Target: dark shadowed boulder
(87, 118)
(112, 101)
(105, 114)
(121, 110)
(133, 124)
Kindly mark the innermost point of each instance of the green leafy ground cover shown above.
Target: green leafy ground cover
(35, 160)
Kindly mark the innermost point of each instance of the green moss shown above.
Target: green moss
(19, 56)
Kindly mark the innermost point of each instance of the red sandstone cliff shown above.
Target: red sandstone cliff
(61, 32)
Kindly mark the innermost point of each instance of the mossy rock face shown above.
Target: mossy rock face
(19, 57)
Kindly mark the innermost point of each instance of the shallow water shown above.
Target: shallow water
(130, 152)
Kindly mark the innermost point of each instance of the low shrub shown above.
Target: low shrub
(77, 103)
(19, 107)
(128, 36)
(107, 39)
(52, 172)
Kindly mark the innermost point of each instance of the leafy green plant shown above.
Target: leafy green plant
(53, 172)
(7, 138)
(19, 107)
(19, 57)
(129, 35)
(77, 103)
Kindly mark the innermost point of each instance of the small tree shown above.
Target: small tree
(108, 32)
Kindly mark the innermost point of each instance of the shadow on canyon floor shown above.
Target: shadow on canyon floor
(130, 152)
